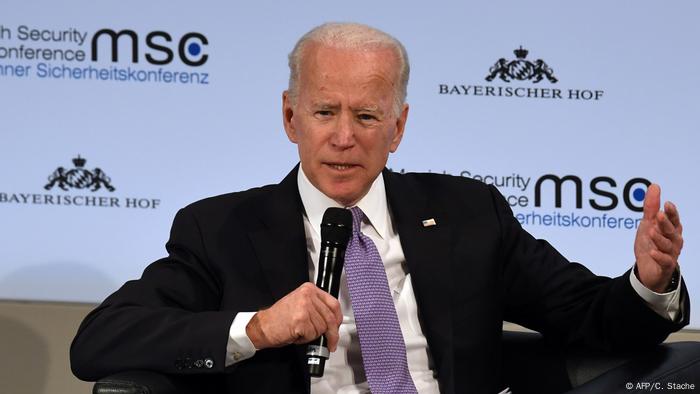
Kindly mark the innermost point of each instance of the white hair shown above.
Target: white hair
(350, 35)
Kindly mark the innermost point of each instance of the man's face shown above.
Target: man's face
(343, 120)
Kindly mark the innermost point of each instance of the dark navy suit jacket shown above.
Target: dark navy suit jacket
(476, 268)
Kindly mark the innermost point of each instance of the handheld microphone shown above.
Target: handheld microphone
(336, 228)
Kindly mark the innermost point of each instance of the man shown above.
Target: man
(233, 299)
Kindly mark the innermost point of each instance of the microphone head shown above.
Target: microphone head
(336, 226)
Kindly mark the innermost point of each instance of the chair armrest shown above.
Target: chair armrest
(656, 370)
(531, 366)
(149, 382)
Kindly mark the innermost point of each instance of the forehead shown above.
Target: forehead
(329, 69)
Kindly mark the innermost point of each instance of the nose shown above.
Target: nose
(344, 133)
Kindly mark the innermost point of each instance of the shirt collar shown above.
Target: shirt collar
(373, 204)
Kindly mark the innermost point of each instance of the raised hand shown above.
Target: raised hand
(658, 242)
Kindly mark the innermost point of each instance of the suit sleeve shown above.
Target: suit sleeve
(167, 321)
(566, 302)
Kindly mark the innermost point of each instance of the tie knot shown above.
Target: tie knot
(357, 217)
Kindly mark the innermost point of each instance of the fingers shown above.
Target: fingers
(334, 306)
(310, 325)
(664, 260)
(327, 305)
(318, 314)
(334, 318)
(327, 310)
(669, 226)
(666, 229)
(652, 201)
(661, 242)
(673, 215)
(664, 224)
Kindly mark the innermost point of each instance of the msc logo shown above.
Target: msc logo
(521, 69)
(189, 46)
(79, 177)
(602, 187)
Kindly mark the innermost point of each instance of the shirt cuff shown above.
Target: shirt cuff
(239, 346)
(666, 305)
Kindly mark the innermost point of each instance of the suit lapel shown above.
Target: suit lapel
(427, 252)
(278, 237)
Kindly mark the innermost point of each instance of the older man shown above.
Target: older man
(233, 298)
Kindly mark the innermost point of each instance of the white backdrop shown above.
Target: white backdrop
(623, 107)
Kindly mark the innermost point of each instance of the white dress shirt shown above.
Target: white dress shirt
(344, 372)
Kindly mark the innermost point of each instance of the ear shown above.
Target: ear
(288, 117)
(400, 126)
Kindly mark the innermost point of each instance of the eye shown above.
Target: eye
(366, 117)
(324, 113)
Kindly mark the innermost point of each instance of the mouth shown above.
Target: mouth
(341, 166)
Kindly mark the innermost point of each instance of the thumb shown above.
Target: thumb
(333, 336)
(652, 201)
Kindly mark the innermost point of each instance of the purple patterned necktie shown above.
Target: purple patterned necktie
(381, 341)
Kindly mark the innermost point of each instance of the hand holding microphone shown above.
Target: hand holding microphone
(310, 311)
(297, 318)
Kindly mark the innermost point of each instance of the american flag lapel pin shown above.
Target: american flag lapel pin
(429, 222)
